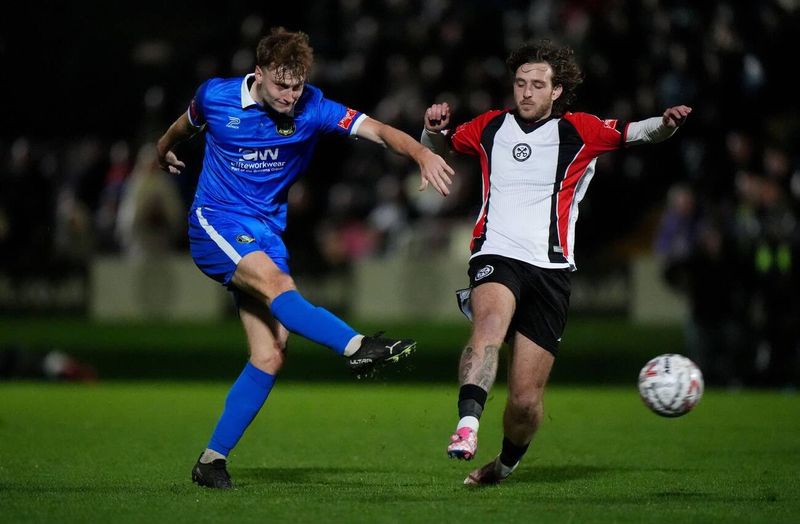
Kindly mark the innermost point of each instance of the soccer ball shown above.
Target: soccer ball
(670, 385)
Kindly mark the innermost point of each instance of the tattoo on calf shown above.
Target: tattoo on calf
(488, 369)
(466, 365)
(485, 366)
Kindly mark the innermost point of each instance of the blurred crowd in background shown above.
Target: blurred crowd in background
(718, 204)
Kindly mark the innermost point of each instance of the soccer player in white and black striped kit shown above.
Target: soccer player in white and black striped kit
(537, 160)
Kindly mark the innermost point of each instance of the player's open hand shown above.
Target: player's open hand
(170, 163)
(437, 117)
(676, 116)
(435, 171)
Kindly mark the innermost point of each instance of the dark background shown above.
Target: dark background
(83, 80)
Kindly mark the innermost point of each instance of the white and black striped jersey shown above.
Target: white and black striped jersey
(534, 177)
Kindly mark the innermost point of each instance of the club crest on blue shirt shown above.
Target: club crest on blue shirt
(245, 239)
(285, 126)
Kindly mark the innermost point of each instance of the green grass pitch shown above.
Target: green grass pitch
(374, 452)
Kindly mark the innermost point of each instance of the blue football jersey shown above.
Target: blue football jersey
(253, 155)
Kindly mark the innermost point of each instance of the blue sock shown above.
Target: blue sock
(245, 398)
(312, 322)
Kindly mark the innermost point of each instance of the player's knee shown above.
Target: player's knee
(525, 407)
(271, 361)
(280, 350)
(278, 284)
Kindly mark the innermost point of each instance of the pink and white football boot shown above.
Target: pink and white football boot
(463, 444)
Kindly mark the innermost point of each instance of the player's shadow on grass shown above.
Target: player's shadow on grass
(355, 475)
(536, 474)
(306, 475)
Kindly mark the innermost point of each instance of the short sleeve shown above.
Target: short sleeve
(196, 111)
(601, 136)
(334, 117)
(467, 137)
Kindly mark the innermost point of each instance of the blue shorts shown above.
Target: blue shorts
(219, 240)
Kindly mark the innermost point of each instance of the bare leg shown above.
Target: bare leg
(493, 307)
(258, 276)
(528, 371)
(266, 337)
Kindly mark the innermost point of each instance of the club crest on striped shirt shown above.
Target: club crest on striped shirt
(245, 239)
(521, 152)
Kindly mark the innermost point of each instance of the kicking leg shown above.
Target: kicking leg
(258, 276)
(493, 307)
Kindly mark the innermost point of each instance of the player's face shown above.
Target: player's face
(278, 89)
(534, 92)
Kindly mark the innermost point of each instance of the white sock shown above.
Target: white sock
(468, 422)
(209, 456)
(502, 470)
(353, 345)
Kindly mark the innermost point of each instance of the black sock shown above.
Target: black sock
(471, 399)
(511, 453)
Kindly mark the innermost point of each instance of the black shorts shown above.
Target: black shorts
(542, 296)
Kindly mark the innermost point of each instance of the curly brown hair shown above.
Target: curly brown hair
(566, 71)
(289, 52)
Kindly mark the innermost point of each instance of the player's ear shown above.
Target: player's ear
(259, 74)
(557, 90)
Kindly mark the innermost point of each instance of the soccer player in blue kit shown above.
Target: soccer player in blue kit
(260, 133)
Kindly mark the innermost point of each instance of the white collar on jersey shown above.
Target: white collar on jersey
(247, 98)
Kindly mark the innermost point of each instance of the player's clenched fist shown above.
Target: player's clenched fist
(676, 116)
(437, 117)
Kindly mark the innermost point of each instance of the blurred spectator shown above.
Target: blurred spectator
(26, 212)
(151, 220)
(777, 307)
(151, 213)
(677, 231)
(74, 235)
(108, 208)
(390, 216)
(699, 261)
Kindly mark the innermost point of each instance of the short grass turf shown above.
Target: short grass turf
(375, 452)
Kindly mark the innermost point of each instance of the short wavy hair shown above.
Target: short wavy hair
(288, 52)
(566, 71)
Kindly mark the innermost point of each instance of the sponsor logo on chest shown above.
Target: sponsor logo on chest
(267, 153)
(258, 160)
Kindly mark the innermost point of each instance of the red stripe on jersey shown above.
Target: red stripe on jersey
(599, 136)
(467, 139)
(566, 193)
(480, 225)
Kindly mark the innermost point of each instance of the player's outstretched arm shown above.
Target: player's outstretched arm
(657, 129)
(179, 131)
(433, 169)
